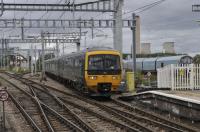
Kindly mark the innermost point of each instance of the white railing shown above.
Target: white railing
(179, 77)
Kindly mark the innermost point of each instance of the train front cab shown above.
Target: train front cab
(103, 72)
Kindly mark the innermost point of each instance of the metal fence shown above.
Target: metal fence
(179, 77)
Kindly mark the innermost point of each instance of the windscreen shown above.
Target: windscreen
(104, 64)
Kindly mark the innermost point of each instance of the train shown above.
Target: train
(95, 71)
(152, 64)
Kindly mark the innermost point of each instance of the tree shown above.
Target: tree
(196, 59)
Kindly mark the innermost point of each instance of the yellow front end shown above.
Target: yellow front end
(102, 79)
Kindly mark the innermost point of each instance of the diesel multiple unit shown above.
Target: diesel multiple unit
(95, 71)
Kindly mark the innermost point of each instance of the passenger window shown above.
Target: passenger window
(76, 63)
(66, 61)
(162, 64)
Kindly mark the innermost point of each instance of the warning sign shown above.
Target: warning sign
(3, 95)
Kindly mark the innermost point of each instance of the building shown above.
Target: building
(145, 48)
(138, 45)
(168, 47)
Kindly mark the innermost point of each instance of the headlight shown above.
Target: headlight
(122, 82)
(93, 77)
(114, 77)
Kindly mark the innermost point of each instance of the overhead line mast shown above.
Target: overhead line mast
(63, 23)
(111, 6)
(196, 8)
(97, 6)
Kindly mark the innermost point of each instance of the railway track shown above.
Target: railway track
(119, 112)
(39, 114)
(134, 114)
(98, 121)
(137, 113)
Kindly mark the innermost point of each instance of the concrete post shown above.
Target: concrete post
(117, 30)
(137, 35)
(134, 43)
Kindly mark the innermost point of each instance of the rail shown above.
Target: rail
(41, 105)
(129, 117)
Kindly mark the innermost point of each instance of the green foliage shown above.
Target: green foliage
(139, 78)
(19, 70)
(142, 79)
(196, 59)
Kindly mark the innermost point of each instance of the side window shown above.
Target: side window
(66, 61)
(77, 62)
(162, 64)
(72, 62)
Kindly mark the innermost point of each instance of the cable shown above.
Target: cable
(140, 9)
(43, 15)
(67, 3)
(146, 7)
(143, 9)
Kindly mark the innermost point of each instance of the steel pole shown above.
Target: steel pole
(2, 53)
(35, 60)
(63, 48)
(134, 47)
(57, 49)
(43, 67)
(4, 124)
(134, 43)
(31, 54)
(39, 61)
(29, 63)
(117, 27)
(22, 28)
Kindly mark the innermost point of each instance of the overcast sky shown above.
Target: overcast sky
(172, 20)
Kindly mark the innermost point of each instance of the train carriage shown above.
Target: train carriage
(152, 64)
(97, 71)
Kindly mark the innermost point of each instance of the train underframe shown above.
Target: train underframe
(102, 89)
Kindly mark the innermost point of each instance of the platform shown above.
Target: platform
(181, 103)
